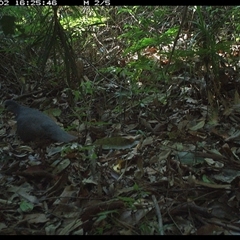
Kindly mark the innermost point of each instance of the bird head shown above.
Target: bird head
(11, 106)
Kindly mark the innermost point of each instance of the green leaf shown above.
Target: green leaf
(116, 142)
(198, 126)
(26, 206)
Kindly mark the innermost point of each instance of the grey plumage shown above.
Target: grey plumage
(34, 125)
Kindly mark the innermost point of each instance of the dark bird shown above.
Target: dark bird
(33, 125)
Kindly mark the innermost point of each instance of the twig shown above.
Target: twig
(159, 216)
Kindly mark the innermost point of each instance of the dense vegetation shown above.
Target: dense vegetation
(152, 94)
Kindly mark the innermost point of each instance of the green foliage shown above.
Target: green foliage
(144, 70)
(145, 228)
(8, 24)
(141, 193)
(105, 214)
(87, 87)
(51, 38)
(129, 201)
(102, 216)
(207, 44)
(26, 206)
